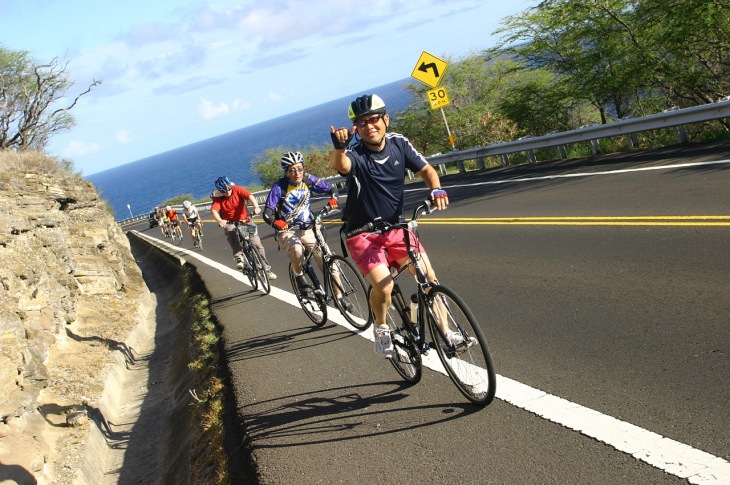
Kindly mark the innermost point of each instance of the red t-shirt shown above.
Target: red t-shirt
(172, 214)
(232, 208)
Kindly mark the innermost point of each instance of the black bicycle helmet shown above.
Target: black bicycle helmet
(291, 158)
(365, 105)
(223, 184)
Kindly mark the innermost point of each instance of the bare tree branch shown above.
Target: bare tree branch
(28, 93)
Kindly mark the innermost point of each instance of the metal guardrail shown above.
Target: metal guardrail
(674, 118)
(667, 119)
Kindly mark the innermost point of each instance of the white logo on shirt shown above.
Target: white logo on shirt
(381, 161)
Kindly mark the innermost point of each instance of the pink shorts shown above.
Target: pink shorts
(370, 250)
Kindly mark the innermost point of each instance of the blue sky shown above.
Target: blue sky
(175, 72)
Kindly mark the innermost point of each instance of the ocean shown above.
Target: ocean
(193, 168)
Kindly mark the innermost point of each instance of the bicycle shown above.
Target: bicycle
(197, 237)
(459, 341)
(253, 263)
(165, 230)
(341, 277)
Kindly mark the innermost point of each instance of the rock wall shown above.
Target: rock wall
(70, 293)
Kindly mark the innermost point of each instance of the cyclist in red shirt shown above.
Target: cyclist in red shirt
(174, 221)
(229, 206)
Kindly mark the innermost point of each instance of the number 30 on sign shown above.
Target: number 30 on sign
(438, 97)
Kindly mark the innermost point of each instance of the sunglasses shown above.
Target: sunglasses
(370, 121)
(295, 170)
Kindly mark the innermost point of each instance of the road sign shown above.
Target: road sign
(438, 97)
(429, 69)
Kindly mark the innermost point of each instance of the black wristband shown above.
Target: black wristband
(338, 144)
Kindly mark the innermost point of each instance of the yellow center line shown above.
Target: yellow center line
(701, 220)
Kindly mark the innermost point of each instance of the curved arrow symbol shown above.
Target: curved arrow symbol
(425, 67)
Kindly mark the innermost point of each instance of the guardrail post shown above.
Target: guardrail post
(505, 159)
(681, 134)
(633, 141)
(595, 147)
(442, 169)
(561, 152)
(481, 163)
(460, 166)
(531, 156)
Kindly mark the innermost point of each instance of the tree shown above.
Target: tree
(691, 42)
(616, 54)
(29, 96)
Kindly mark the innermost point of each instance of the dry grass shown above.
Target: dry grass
(209, 461)
(35, 161)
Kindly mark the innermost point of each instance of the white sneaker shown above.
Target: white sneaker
(272, 276)
(383, 342)
(456, 338)
(240, 263)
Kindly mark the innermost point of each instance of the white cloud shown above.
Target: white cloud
(77, 148)
(123, 137)
(239, 105)
(274, 96)
(209, 111)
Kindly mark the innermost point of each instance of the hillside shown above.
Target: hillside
(71, 293)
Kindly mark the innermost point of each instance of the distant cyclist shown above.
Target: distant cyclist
(164, 222)
(192, 218)
(174, 221)
(288, 211)
(228, 207)
(160, 222)
(375, 166)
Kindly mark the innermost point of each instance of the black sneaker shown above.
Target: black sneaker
(347, 304)
(304, 287)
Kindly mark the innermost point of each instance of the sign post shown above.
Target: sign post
(430, 70)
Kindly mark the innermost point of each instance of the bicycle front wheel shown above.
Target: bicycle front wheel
(262, 274)
(250, 268)
(349, 292)
(313, 304)
(461, 345)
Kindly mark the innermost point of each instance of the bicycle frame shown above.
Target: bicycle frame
(321, 245)
(417, 330)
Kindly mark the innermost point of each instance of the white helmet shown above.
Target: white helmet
(168, 208)
(291, 158)
(187, 204)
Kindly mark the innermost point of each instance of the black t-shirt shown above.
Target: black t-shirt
(376, 179)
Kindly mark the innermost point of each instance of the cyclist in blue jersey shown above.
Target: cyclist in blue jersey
(375, 166)
(288, 211)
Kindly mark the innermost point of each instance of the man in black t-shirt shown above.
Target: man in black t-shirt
(375, 167)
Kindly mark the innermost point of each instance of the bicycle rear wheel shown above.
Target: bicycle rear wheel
(314, 305)
(461, 345)
(262, 274)
(343, 278)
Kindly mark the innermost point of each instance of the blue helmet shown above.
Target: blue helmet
(223, 184)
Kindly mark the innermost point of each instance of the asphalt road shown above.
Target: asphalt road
(602, 286)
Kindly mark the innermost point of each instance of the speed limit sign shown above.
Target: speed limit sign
(438, 97)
